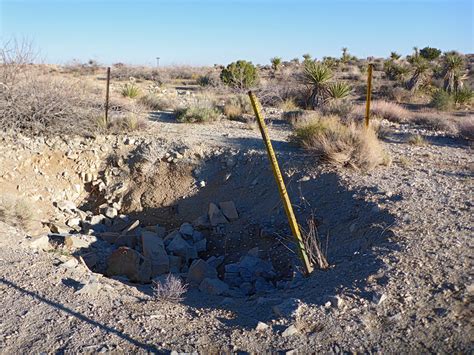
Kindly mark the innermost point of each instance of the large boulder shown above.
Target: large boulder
(213, 286)
(180, 247)
(128, 262)
(154, 249)
(216, 216)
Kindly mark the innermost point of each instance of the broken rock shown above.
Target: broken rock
(40, 242)
(216, 217)
(213, 286)
(154, 249)
(199, 270)
(229, 210)
(129, 262)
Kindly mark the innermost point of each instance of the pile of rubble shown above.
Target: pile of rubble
(118, 247)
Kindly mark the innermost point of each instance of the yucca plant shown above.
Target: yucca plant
(338, 90)
(130, 90)
(453, 71)
(276, 63)
(395, 56)
(317, 77)
(421, 72)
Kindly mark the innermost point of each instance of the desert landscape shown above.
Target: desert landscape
(151, 221)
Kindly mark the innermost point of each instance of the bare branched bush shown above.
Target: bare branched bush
(15, 211)
(170, 290)
(466, 128)
(312, 244)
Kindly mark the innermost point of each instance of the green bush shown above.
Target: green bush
(430, 53)
(198, 113)
(130, 90)
(240, 74)
(463, 96)
(442, 100)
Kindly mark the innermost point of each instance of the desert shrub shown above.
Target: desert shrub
(463, 96)
(15, 211)
(442, 100)
(331, 62)
(201, 111)
(156, 103)
(465, 128)
(341, 108)
(342, 145)
(130, 90)
(209, 79)
(236, 106)
(294, 117)
(384, 110)
(170, 290)
(400, 94)
(133, 118)
(240, 74)
(430, 53)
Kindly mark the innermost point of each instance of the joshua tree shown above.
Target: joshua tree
(276, 63)
(307, 58)
(317, 76)
(417, 51)
(453, 71)
(345, 55)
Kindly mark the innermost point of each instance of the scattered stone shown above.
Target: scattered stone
(40, 242)
(229, 210)
(197, 236)
(110, 212)
(70, 264)
(175, 263)
(160, 231)
(202, 222)
(178, 246)
(215, 215)
(261, 327)
(129, 262)
(215, 262)
(291, 330)
(59, 228)
(154, 249)
(75, 242)
(73, 222)
(288, 308)
(379, 298)
(97, 219)
(202, 183)
(335, 301)
(91, 288)
(127, 240)
(199, 270)
(213, 286)
(66, 205)
(186, 229)
(201, 245)
(304, 179)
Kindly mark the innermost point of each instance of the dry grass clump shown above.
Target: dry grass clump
(417, 139)
(170, 290)
(436, 120)
(288, 105)
(342, 145)
(237, 106)
(466, 128)
(153, 102)
(385, 110)
(15, 211)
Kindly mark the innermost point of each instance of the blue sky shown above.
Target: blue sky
(210, 31)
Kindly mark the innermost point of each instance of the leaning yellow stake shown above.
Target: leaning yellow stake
(281, 185)
(369, 95)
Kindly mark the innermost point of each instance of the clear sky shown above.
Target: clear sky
(212, 31)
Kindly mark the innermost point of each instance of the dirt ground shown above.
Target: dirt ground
(398, 240)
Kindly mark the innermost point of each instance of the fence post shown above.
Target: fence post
(369, 95)
(281, 186)
(107, 98)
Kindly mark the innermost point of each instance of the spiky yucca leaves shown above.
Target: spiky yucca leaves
(395, 71)
(453, 71)
(317, 77)
(395, 56)
(276, 63)
(338, 90)
(421, 72)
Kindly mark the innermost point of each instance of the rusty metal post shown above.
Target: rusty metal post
(281, 186)
(107, 98)
(369, 95)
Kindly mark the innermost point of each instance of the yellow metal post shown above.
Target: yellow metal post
(281, 185)
(369, 95)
